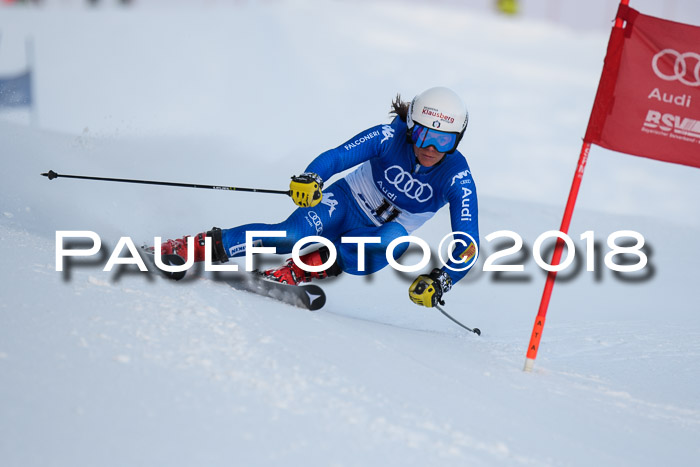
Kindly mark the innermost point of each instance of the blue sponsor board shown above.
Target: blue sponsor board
(16, 91)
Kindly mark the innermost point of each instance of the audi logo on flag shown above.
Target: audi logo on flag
(686, 67)
(405, 183)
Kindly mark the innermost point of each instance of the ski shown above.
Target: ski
(310, 297)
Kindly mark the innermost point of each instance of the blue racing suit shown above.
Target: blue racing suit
(388, 195)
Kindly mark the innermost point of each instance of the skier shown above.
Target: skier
(407, 170)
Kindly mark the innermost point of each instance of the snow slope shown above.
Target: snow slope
(126, 368)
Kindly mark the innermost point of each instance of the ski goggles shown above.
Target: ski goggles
(424, 137)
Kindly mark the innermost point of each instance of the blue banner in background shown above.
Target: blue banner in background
(16, 91)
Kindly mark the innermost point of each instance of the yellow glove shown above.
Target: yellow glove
(305, 189)
(427, 290)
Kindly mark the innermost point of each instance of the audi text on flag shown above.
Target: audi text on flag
(648, 100)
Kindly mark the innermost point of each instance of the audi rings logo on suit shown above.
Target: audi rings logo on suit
(406, 184)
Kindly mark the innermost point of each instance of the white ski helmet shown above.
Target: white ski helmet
(438, 109)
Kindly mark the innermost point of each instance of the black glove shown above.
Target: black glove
(427, 290)
(305, 189)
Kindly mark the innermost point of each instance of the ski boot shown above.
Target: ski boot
(292, 274)
(179, 247)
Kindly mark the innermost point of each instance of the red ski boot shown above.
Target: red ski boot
(292, 274)
(179, 246)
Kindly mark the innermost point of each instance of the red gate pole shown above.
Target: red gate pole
(534, 345)
(556, 257)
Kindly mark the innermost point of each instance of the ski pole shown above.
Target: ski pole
(51, 175)
(476, 331)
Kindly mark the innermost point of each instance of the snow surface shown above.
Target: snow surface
(126, 368)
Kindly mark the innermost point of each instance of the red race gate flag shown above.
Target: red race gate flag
(647, 104)
(648, 100)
